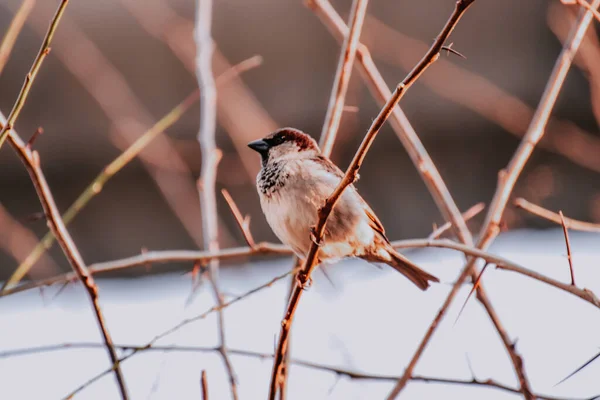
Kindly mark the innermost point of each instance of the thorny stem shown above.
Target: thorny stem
(418, 154)
(31, 161)
(350, 374)
(507, 180)
(554, 217)
(96, 186)
(328, 134)
(181, 325)
(349, 177)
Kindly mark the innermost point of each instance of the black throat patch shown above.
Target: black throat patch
(272, 176)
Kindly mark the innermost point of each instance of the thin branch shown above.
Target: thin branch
(353, 375)
(349, 178)
(31, 161)
(420, 158)
(342, 77)
(554, 217)
(264, 248)
(584, 294)
(204, 385)
(579, 369)
(243, 222)
(10, 37)
(506, 182)
(32, 74)
(181, 325)
(398, 120)
(467, 215)
(96, 186)
(211, 156)
(568, 244)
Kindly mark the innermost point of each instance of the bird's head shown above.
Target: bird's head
(285, 144)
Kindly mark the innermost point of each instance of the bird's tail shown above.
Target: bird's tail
(407, 268)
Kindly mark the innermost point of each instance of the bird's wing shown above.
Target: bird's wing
(374, 222)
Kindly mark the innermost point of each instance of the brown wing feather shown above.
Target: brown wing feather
(374, 222)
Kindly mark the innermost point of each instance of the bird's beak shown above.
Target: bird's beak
(259, 146)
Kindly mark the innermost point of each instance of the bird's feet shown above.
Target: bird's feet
(303, 280)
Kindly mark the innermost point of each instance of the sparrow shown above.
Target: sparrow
(295, 180)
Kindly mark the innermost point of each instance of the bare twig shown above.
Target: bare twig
(554, 217)
(349, 177)
(507, 180)
(204, 385)
(96, 186)
(10, 37)
(263, 248)
(37, 63)
(31, 161)
(239, 112)
(467, 215)
(181, 325)
(342, 77)
(479, 94)
(242, 221)
(418, 154)
(568, 243)
(398, 120)
(354, 375)
(211, 156)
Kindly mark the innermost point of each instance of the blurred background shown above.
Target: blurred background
(118, 66)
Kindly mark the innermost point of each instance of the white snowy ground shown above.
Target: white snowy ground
(371, 321)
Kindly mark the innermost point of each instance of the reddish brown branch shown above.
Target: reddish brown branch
(243, 222)
(568, 244)
(554, 217)
(31, 161)
(417, 152)
(507, 180)
(467, 215)
(204, 384)
(349, 178)
(263, 248)
(354, 375)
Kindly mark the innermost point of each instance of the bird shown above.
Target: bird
(295, 181)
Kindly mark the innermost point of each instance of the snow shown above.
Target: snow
(371, 321)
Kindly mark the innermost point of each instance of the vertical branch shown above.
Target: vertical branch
(204, 383)
(349, 177)
(342, 77)
(507, 179)
(211, 156)
(568, 244)
(424, 164)
(10, 37)
(332, 122)
(31, 161)
(37, 64)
